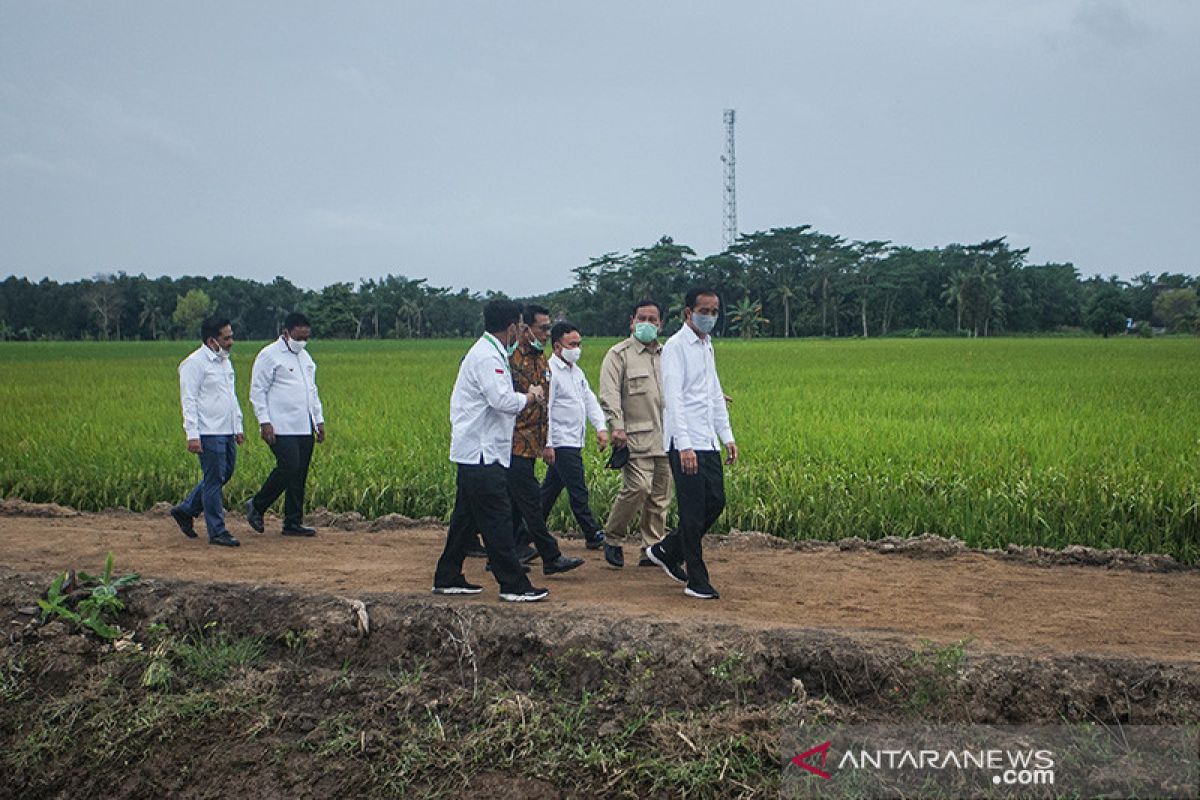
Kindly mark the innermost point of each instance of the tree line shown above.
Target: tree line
(782, 282)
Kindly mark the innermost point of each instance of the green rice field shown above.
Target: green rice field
(996, 441)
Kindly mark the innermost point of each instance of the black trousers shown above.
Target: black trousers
(701, 499)
(567, 471)
(525, 493)
(481, 503)
(292, 456)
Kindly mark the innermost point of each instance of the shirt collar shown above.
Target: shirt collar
(642, 346)
(692, 336)
(212, 354)
(559, 359)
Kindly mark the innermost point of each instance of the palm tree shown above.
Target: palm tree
(953, 295)
(746, 318)
(784, 292)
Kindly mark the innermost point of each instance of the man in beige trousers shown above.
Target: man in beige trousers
(632, 399)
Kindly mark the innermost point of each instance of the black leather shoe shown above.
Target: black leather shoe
(594, 542)
(614, 555)
(224, 540)
(645, 562)
(298, 530)
(476, 551)
(253, 517)
(561, 564)
(184, 521)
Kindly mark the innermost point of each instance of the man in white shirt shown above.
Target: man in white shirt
(572, 406)
(695, 423)
(483, 410)
(212, 423)
(283, 392)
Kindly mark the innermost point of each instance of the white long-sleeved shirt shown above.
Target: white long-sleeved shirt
(483, 406)
(694, 413)
(283, 390)
(572, 405)
(206, 393)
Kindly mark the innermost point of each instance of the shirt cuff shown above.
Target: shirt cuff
(191, 434)
(681, 443)
(727, 436)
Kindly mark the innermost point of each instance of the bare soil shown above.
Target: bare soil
(928, 589)
(617, 686)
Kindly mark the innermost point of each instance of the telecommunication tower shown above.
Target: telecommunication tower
(730, 159)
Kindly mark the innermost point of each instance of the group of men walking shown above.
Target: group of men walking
(514, 401)
(667, 412)
(283, 392)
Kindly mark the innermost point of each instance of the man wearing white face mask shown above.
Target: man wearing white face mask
(572, 406)
(283, 391)
(694, 419)
(212, 422)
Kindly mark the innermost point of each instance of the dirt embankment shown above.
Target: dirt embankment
(251, 671)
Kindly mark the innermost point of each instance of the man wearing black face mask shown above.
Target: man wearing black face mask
(212, 422)
(483, 409)
(694, 419)
(283, 391)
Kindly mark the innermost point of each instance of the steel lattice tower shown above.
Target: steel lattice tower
(730, 159)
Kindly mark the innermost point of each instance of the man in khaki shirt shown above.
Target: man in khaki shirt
(631, 396)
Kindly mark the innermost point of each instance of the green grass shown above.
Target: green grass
(1031, 441)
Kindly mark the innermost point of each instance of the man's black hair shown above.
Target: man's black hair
(211, 328)
(499, 314)
(560, 330)
(295, 320)
(532, 310)
(695, 294)
(662, 313)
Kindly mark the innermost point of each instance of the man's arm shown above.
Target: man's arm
(674, 419)
(191, 377)
(497, 388)
(612, 375)
(595, 414)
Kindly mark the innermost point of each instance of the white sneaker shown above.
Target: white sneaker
(527, 596)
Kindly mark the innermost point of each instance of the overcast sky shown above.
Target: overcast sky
(496, 145)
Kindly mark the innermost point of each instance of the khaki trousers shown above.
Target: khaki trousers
(647, 488)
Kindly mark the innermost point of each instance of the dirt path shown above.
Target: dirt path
(1000, 605)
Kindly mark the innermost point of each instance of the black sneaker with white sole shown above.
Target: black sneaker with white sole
(655, 553)
(530, 595)
(458, 587)
(705, 592)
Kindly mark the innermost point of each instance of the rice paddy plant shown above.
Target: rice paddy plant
(1029, 441)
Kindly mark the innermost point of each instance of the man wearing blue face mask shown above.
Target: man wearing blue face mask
(695, 423)
(283, 391)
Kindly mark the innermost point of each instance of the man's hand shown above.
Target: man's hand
(602, 439)
(320, 432)
(619, 439)
(536, 394)
(193, 446)
(240, 438)
(731, 453)
(268, 432)
(688, 463)
(548, 456)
